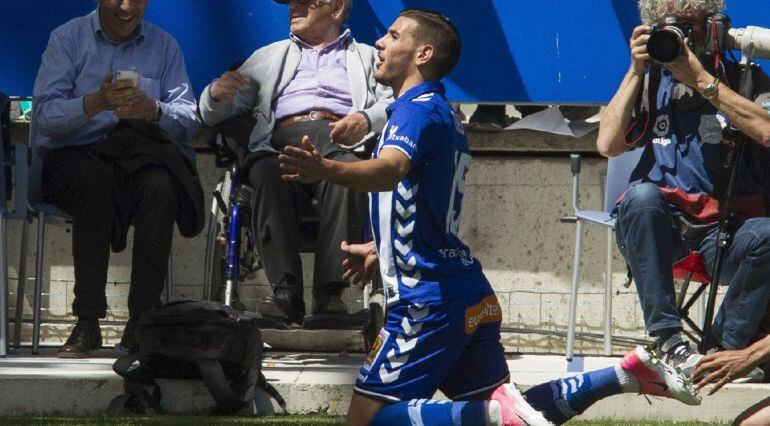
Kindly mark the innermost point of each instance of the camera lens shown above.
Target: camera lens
(665, 44)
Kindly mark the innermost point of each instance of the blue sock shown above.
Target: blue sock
(431, 412)
(560, 400)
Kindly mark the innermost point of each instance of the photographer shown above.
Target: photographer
(671, 206)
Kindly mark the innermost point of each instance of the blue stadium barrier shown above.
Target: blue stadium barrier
(540, 51)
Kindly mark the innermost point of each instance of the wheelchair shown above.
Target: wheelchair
(231, 256)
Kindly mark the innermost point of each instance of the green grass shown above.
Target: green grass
(172, 420)
(272, 420)
(609, 422)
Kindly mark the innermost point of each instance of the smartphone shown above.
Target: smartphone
(131, 76)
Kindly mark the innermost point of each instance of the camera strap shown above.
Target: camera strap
(640, 130)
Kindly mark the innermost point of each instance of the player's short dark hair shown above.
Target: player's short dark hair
(437, 30)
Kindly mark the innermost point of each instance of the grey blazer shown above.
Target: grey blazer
(272, 67)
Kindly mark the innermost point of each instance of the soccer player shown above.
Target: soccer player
(443, 324)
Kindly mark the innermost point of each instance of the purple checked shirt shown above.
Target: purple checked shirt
(320, 83)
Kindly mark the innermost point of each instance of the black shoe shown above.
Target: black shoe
(85, 337)
(332, 304)
(128, 340)
(280, 307)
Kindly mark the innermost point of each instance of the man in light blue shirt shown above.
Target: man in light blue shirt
(111, 88)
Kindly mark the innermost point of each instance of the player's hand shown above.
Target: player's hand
(687, 68)
(226, 87)
(361, 263)
(640, 59)
(722, 368)
(349, 129)
(302, 164)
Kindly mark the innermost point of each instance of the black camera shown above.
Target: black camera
(667, 39)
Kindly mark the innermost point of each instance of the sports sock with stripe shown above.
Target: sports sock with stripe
(560, 400)
(433, 413)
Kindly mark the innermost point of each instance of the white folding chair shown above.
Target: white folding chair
(618, 175)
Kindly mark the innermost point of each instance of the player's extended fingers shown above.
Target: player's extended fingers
(707, 377)
(718, 385)
(713, 377)
(704, 366)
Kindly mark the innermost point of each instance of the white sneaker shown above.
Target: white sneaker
(683, 358)
(657, 378)
(515, 410)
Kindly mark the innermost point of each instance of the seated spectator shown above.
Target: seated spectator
(103, 163)
(672, 203)
(319, 82)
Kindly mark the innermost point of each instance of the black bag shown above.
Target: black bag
(194, 340)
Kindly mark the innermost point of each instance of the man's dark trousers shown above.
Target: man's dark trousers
(76, 180)
(279, 207)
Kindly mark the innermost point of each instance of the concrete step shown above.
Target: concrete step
(313, 383)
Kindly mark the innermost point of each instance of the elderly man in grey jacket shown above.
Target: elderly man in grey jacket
(320, 83)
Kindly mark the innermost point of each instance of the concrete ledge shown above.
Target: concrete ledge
(526, 141)
(317, 383)
(479, 140)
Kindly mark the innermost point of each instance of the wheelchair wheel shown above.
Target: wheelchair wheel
(215, 252)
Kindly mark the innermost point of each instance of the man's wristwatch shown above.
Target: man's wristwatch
(711, 91)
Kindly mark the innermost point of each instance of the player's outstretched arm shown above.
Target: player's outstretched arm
(305, 164)
(723, 367)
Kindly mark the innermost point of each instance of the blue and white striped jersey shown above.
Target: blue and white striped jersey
(415, 226)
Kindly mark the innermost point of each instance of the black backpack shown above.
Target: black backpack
(194, 340)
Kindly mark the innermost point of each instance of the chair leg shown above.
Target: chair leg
(608, 296)
(39, 257)
(21, 285)
(573, 294)
(683, 292)
(169, 279)
(3, 291)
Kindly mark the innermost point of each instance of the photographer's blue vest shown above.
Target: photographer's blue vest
(684, 158)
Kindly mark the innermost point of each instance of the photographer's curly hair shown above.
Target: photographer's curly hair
(654, 10)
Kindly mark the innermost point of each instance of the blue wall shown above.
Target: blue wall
(546, 51)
